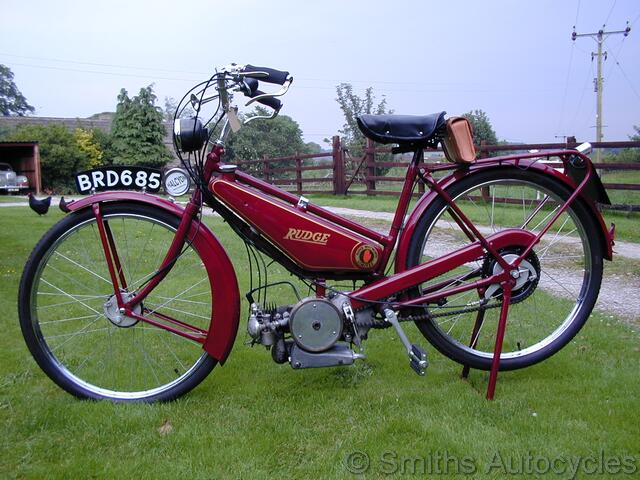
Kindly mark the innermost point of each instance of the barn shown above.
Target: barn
(24, 158)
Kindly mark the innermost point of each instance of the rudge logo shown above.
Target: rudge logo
(307, 236)
(365, 256)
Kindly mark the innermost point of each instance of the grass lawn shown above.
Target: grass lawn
(255, 419)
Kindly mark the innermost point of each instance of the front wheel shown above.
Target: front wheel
(559, 281)
(69, 317)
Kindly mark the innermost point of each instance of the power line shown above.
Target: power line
(610, 11)
(566, 88)
(111, 65)
(153, 77)
(298, 86)
(625, 75)
(600, 37)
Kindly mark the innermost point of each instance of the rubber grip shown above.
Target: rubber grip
(275, 76)
(252, 84)
(272, 102)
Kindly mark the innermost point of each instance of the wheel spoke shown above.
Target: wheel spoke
(87, 341)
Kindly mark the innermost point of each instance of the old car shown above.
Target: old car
(10, 182)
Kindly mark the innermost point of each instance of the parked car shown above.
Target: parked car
(10, 182)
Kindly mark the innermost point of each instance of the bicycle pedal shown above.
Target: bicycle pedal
(419, 361)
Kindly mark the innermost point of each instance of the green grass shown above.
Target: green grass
(255, 419)
(12, 198)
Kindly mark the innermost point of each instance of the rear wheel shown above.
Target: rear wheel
(71, 323)
(559, 281)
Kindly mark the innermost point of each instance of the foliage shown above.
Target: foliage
(482, 129)
(352, 106)
(4, 132)
(626, 155)
(170, 107)
(103, 140)
(138, 131)
(61, 155)
(313, 147)
(12, 102)
(279, 137)
(88, 145)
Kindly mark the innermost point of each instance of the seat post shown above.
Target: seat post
(418, 156)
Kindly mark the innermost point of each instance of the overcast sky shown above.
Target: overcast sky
(513, 59)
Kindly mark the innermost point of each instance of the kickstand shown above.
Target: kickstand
(497, 351)
(474, 340)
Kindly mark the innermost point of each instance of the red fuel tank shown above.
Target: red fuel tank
(312, 242)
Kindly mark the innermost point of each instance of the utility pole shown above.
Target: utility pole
(599, 37)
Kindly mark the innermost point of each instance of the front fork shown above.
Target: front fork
(118, 279)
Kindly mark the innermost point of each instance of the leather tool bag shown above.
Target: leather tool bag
(458, 142)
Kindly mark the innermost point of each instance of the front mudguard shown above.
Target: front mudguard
(495, 163)
(223, 327)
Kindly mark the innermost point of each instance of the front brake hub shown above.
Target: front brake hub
(112, 312)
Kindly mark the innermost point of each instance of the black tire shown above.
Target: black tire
(66, 246)
(539, 307)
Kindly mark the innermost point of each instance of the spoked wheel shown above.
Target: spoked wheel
(558, 282)
(70, 318)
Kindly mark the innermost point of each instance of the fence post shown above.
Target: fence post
(338, 167)
(484, 152)
(370, 152)
(298, 174)
(267, 169)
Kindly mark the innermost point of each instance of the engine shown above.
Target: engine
(315, 324)
(307, 334)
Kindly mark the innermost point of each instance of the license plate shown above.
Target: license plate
(119, 178)
(13, 189)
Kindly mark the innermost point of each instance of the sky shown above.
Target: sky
(513, 59)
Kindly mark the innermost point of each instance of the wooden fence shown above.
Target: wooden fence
(338, 172)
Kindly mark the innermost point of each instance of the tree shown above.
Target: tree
(279, 137)
(352, 106)
(12, 102)
(170, 107)
(87, 143)
(137, 131)
(482, 129)
(627, 155)
(61, 155)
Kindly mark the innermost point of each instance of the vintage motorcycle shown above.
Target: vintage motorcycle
(131, 297)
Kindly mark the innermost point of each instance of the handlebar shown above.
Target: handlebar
(250, 89)
(272, 75)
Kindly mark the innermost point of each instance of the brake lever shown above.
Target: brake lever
(279, 93)
(261, 117)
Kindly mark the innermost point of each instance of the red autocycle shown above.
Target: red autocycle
(131, 297)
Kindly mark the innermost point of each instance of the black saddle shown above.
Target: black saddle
(401, 129)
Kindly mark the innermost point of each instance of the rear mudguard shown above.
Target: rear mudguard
(494, 163)
(225, 296)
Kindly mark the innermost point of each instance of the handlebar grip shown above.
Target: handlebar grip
(252, 85)
(272, 102)
(275, 76)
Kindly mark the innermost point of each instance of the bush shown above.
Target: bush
(61, 154)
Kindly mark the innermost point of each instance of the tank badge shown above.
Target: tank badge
(365, 256)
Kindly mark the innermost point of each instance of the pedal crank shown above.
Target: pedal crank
(417, 355)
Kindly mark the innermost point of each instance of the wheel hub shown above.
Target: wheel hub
(115, 315)
(526, 275)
